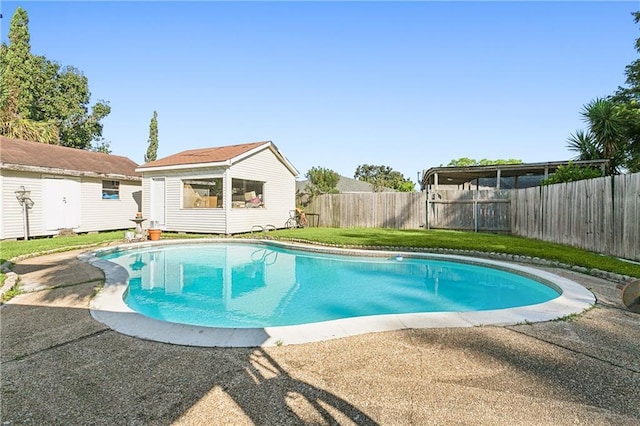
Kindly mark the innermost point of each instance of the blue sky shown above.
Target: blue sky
(410, 85)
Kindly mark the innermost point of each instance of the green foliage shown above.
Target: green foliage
(627, 105)
(152, 149)
(463, 162)
(585, 144)
(383, 177)
(42, 101)
(630, 116)
(605, 123)
(15, 67)
(11, 293)
(570, 173)
(101, 146)
(469, 162)
(21, 128)
(608, 135)
(632, 71)
(322, 181)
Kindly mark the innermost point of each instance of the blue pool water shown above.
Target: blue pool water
(246, 286)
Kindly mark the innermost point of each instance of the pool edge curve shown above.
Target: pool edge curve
(108, 305)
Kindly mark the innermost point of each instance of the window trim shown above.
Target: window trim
(184, 180)
(245, 202)
(110, 191)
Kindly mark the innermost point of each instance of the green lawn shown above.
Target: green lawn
(430, 239)
(427, 239)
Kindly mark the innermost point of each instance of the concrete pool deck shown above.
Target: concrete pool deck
(60, 366)
(109, 308)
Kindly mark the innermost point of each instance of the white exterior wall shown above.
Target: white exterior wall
(96, 214)
(279, 192)
(12, 222)
(279, 197)
(178, 219)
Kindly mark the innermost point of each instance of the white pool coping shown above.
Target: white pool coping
(108, 305)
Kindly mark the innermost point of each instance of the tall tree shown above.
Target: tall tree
(632, 89)
(383, 177)
(627, 100)
(17, 97)
(40, 100)
(152, 149)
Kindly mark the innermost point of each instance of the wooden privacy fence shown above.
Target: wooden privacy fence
(600, 215)
(400, 210)
(484, 210)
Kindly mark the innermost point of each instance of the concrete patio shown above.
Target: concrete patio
(59, 366)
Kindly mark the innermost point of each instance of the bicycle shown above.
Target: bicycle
(297, 219)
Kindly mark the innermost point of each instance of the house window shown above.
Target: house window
(247, 193)
(202, 193)
(110, 190)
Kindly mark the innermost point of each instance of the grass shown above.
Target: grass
(13, 249)
(432, 239)
(11, 293)
(375, 237)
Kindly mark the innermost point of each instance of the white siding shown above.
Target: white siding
(12, 218)
(96, 214)
(178, 219)
(279, 196)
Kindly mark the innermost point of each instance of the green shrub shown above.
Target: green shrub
(572, 172)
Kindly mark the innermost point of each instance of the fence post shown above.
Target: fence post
(475, 211)
(427, 226)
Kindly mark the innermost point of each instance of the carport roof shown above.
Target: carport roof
(458, 175)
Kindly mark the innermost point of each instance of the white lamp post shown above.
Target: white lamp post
(24, 198)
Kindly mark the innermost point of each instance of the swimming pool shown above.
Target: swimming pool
(256, 288)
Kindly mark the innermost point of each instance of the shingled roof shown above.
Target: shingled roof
(215, 156)
(16, 154)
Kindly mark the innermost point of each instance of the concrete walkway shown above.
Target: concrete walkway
(59, 366)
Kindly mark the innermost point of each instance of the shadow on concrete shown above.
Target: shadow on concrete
(562, 361)
(103, 377)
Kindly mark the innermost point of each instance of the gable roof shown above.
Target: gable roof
(17, 154)
(214, 157)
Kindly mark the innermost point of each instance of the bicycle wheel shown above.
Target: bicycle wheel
(291, 223)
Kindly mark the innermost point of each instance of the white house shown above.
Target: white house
(68, 189)
(221, 190)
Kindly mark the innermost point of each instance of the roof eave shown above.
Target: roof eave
(67, 172)
(226, 163)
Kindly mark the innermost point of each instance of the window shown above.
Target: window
(110, 190)
(247, 193)
(202, 193)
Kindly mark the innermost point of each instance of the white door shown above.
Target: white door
(61, 203)
(157, 201)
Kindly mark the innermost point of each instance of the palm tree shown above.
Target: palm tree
(606, 126)
(585, 144)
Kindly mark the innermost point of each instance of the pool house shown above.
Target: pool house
(219, 190)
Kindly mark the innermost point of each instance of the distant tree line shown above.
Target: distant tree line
(323, 180)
